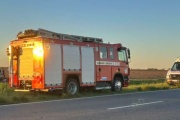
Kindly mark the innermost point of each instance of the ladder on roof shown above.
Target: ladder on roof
(50, 34)
(46, 33)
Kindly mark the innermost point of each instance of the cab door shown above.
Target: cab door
(104, 64)
(124, 64)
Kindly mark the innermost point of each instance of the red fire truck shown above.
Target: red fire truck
(42, 60)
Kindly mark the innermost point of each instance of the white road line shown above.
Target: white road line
(135, 105)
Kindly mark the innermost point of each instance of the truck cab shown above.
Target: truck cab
(173, 75)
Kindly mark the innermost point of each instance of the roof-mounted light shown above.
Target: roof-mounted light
(27, 33)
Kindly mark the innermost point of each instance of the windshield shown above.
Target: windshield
(122, 55)
(176, 66)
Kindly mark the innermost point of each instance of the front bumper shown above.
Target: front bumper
(173, 81)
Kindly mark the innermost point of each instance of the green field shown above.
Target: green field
(9, 96)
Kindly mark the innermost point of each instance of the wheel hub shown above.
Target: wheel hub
(118, 85)
(72, 88)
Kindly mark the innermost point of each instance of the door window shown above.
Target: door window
(111, 53)
(103, 52)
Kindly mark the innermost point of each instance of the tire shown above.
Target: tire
(72, 87)
(117, 84)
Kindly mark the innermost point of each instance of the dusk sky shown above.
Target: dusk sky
(150, 28)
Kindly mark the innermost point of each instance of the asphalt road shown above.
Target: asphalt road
(158, 105)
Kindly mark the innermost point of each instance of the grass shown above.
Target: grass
(148, 81)
(9, 96)
(149, 85)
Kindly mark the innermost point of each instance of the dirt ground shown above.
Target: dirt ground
(148, 74)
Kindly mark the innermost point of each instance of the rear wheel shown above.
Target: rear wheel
(72, 87)
(117, 84)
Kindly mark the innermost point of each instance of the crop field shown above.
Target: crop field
(148, 74)
(134, 73)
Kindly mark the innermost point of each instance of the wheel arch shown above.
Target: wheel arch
(72, 76)
(118, 75)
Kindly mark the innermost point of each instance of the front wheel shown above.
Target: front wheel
(72, 87)
(117, 84)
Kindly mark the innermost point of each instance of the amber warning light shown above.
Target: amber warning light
(38, 51)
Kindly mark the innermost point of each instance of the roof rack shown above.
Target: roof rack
(50, 34)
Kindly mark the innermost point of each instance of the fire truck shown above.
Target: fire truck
(42, 60)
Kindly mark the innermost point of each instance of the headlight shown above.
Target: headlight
(168, 76)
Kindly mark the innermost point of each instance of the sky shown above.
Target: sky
(149, 28)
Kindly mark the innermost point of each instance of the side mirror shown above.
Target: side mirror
(129, 54)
